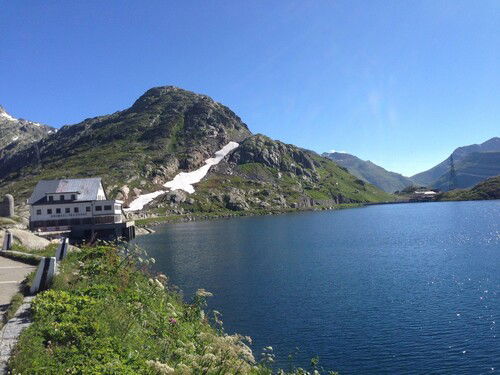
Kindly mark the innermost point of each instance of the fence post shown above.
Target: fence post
(44, 274)
(62, 249)
(7, 241)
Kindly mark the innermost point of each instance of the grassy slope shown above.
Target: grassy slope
(280, 192)
(107, 162)
(370, 172)
(489, 189)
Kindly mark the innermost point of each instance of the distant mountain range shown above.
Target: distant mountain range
(370, 172)
(169, 130)
(473, 164)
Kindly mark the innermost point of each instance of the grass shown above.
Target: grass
(106, 315)
(486, 190)
(47, 251)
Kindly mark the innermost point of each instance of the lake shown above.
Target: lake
(406, 288)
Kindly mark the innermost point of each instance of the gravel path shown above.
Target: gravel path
(10, 332)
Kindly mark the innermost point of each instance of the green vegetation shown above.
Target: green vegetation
(47, 251)
(489, 189)
(105, 316)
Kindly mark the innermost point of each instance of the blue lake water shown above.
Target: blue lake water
(408, 288)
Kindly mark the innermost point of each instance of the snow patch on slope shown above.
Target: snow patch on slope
(142, 200)
(7, 116)
(183, 180)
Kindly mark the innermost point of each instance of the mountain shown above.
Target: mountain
(370, 172)
(470, 170)
(489, 189)
(431, 176)
(170, 130)
(15, 133)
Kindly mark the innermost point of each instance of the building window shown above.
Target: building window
(67, 210)
(51, 198)
(76, 209)
(61, 197)
(98, 208)
(49, 211)
(107, 208)
(87, 208)
(73, 197)
(38, 212)
(58, 210)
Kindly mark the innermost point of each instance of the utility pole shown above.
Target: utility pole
(453, 175)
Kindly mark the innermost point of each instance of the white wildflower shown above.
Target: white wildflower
(161, 368)
(159, 284)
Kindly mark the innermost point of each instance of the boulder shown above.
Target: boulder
(235, 202)
(176, 196)
(7, 206)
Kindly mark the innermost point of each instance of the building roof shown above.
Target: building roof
(87, 189)
(427, 192)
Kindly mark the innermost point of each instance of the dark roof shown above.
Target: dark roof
(86, 187)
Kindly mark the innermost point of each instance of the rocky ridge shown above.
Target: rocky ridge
(16, 134)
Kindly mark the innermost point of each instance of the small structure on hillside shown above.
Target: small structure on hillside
(79, 208)
(7, 206)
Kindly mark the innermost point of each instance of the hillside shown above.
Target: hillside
(489, 189)
(471, 169)
(16, 134)
(169, 130)
(370, 172)
(431, 176)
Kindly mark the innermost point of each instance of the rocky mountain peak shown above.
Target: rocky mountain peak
(16, 134)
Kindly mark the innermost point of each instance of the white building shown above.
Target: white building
(76, 205)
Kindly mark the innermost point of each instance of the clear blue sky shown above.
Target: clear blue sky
(401, 83)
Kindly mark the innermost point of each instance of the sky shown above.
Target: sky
(400, 83)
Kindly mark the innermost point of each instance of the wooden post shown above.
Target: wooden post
(44, 274)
